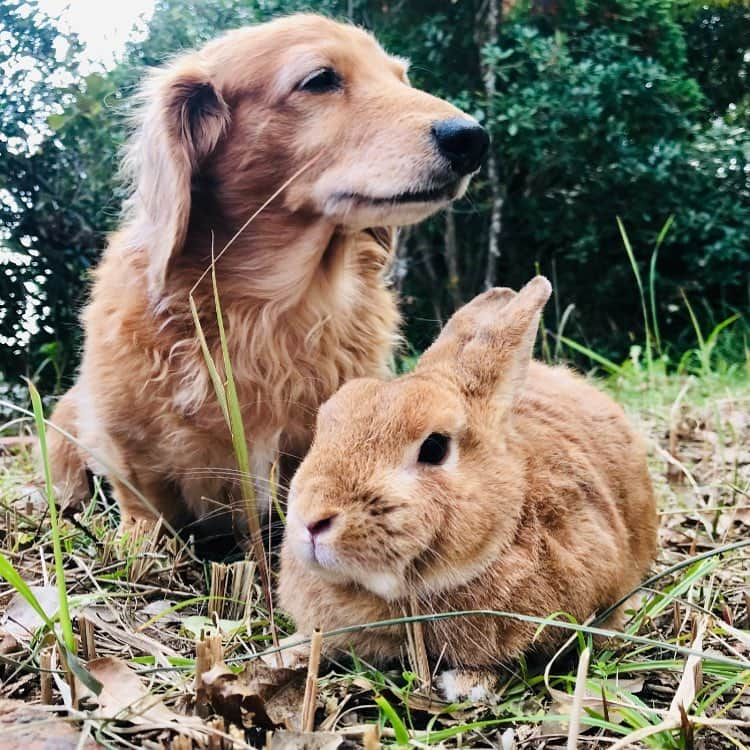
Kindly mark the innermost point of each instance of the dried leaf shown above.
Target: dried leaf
(692, 676)
(124, 696)
(22, 621)
(260, 695)
(160, 608)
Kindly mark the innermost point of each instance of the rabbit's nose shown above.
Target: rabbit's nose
(322, 524)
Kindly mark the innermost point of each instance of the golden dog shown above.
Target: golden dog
(315, 115)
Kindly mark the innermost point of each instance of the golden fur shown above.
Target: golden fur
(543, 502)
(302, 287)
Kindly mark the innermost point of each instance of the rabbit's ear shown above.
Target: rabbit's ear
(487, 345)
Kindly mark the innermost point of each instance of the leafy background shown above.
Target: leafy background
(631, 108)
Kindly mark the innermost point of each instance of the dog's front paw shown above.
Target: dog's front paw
(475, 685)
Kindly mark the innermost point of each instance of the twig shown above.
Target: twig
(208, 652)
(45, 675)
(421, 662)
(371, 737)
(311, 684)
(88, 637)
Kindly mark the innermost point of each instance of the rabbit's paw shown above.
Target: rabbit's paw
(475, 685)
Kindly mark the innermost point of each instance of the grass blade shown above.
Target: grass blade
(694, 321)
(75, 665)
(64, 614)
(210, 364)
(239, 440)
(637, 274)
(11, 575)
(652, 279)
(399, 728)
(236, 423)
(718, 328)
(607, 364)
(702, 349)
(567, 312)
(229, 402)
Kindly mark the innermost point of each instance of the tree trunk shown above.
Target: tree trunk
(492, 22)
(400, 263)
(423, 251)
(451, 258)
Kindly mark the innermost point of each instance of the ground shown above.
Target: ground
(139, 607)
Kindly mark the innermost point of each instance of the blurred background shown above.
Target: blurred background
(629, 110)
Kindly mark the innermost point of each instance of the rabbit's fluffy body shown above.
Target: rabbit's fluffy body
(542, 504)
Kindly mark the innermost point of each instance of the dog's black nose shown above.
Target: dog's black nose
(462, 142)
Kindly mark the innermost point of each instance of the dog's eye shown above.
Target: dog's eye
(434, 449)
(320, 82)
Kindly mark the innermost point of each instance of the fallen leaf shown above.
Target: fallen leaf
(124, 696)
(259, 696)
(508, 739)
(692, 675)
(743, 636)
(160, 608)
(22, 621)
(200, 625)
(730, 516)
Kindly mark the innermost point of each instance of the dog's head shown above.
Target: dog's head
(303, 100)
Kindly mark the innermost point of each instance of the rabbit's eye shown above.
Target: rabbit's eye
(434, 449)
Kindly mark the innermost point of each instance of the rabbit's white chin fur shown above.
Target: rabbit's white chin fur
(382, 583)
(385, 584)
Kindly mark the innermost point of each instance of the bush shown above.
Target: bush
(629, 108)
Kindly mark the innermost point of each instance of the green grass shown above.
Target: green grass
(702, 567)
(65, 622)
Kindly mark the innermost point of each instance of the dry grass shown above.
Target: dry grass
(142, 606)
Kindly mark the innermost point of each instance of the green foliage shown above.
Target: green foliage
(594, 122)
(58, 155)
(629, 108)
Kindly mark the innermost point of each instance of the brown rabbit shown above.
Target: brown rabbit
(482, 480)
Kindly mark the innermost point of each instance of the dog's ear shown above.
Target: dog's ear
(183, 119)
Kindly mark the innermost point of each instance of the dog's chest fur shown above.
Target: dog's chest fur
(285, 363)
